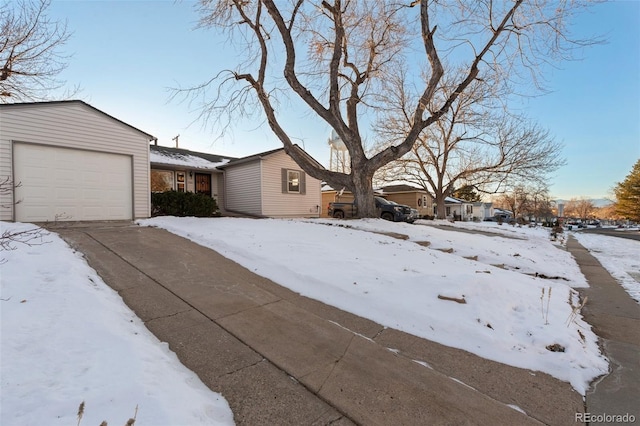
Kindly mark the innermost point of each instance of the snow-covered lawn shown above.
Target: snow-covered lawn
(67, 337)
(507, 314)
(621, 257)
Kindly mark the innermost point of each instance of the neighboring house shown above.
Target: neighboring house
(67, 160)
(502, 214)
(482, 211)
(407, 195)
(458, 209)
(270, 184)
(330, 195)
(411, 196)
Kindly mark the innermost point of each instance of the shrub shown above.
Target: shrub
(173, 203)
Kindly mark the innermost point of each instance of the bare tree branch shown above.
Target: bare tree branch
(30, 58)
(472, 145)
(29, 237)
(9, 238)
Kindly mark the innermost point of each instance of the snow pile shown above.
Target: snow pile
(619, 256)
(67, 337)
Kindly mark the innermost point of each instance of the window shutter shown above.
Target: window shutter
(285, 179)
(303, 183)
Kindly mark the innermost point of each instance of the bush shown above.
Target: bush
(173, 203)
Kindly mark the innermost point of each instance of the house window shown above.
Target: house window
(180, 179)
(293, 181)
(161, 180)
(448, 211)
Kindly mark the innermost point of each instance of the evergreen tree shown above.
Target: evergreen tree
(467, 193)
(628, 195)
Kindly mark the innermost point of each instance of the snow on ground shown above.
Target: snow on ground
(509, 315)
(66, 337)
(619, 256)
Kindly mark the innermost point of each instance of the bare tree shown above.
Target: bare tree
(336, 55)
(541, 205)
(475, 144)
(579, 208)
(527, 202)
(8, 238)
(7, 189)
(607, 212)
(30, 58)
(515, 200)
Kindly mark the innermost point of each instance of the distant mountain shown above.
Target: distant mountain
(597, 202)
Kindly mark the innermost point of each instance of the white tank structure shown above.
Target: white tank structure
(339, 155)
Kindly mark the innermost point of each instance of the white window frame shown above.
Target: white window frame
(293, 176)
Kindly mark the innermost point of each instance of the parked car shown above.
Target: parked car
(387, 210)
(413, 215)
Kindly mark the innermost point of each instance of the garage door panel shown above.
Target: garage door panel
(66, 184)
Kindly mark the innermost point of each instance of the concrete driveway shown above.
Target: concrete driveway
(280, 358)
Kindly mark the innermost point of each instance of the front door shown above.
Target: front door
(203, 184)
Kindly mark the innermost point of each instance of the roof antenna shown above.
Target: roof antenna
(176, 139)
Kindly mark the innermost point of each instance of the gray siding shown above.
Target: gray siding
(74, 125)
(243, 192)
(275, 203)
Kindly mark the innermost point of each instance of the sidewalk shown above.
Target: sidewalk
(615, 318)
(280, 358)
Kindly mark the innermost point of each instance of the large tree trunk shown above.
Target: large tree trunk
(441, 208)
(363, 193)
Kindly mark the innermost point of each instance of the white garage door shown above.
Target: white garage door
(69, 184)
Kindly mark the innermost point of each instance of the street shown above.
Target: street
(612, 232)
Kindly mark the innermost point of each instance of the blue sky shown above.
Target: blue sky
(127, 54)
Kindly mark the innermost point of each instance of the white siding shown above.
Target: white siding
(275, 203)
(6, 176)
(74, 125)
(217, 190)
(243, 188)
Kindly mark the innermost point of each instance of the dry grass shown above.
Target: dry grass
(545, 312)
(129, 422)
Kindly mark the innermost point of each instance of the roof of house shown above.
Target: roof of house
(502, 211)
(400, 188)
(186, 158)
(162, 155)
(74, 101)
(254, 157)
(262, 155)
(454, 200)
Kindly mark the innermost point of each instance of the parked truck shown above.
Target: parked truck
(387, 210)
